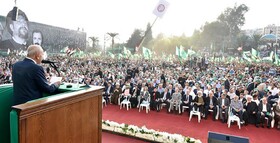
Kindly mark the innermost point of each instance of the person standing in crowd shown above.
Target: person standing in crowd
(29, 81)
(19, 31)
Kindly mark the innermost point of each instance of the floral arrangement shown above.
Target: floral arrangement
(144, 133)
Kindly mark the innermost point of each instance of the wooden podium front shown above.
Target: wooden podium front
(71, 117)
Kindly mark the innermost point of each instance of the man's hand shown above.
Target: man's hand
(57, 83)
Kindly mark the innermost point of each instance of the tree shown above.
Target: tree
(233, 18)
(134, 39)
(113, 35)
(195, 40)
(243, 41)
(94, 41)
(162, 44)
(148, 35)
(213, 34)
(256, 40)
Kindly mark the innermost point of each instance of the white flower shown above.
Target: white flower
(149, 134)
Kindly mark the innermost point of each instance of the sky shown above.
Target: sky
(98, 17)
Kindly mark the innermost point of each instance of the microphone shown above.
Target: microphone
(47, 62)
(52, 64)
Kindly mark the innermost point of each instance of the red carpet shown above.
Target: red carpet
(172, 123)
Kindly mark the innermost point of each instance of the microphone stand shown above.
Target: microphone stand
(55, 68)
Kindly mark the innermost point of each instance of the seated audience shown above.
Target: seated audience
(264, 110)
(223, 103)
(211, 102)
(176, 100)
(251, 110)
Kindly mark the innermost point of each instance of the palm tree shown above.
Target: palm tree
(112, 35)
(256, 40)
(94, 41)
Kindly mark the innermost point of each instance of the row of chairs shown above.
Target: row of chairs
(231, 116)
(145, 104)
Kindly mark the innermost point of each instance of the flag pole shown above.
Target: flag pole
(276, 39)
(146, 32)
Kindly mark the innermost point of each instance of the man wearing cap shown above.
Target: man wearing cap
(251, 110)
(19, 31)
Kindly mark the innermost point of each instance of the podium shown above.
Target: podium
(72, 115)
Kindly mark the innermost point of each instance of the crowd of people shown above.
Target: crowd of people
(249, 91)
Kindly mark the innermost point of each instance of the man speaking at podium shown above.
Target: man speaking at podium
(29, 81)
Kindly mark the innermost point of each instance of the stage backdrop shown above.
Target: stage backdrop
(53, 38)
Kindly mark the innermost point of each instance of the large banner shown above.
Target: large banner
(17, 33)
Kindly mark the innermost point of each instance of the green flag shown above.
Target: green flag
(120, 56)
(64, 50)
(147, 53)
(277, 60)
(255, 55)
(190, 52)
(182, 53)
(270, 58)
(126, 52)
(111, 55)
(177, 51)
(247, 56)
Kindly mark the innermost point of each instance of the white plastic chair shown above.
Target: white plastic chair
(162, 105)
(184, 107)
(103, 102)
(232, 118)
(272, 116)
(197, 113)
(145, 104)
(217, 114)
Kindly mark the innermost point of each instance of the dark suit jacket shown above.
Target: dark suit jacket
(184, 98)
(214, 100)
(110, 91)
(251, 107)
(29, 81)
(268, 107)
(226, 102)
(155, 95)
(168, 96)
